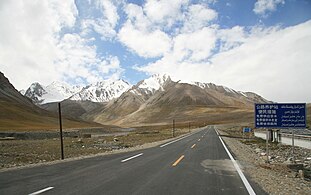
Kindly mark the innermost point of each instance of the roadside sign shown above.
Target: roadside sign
(280, 115)
(247, 129)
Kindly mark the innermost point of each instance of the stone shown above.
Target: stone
(263, 154)
(300, 174)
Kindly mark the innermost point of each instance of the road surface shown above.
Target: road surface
(196, 164)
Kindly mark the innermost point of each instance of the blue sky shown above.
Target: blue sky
(260, 46)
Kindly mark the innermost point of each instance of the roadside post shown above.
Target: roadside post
(61, 131)
(286, 115)
(189, 127)
(173, 127)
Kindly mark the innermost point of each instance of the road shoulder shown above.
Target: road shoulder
(271, 180)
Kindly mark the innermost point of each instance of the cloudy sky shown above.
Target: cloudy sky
(261, 46)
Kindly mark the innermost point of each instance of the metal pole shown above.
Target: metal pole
(173, 127)
(293, 145)
(267, 145)
(61, 131)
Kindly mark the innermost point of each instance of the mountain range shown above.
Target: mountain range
(108, 90)
(155, 100)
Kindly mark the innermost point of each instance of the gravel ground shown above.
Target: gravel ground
(274, 177)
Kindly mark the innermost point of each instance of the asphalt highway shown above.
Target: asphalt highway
(197, 163)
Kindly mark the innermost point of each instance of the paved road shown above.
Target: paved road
(196, 164)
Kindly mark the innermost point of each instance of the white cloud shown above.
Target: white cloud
(273, 62)
(33, 47)
(145, 30)
(196, 46)
(164, 12)
(102, 27)
(263, 7)
(197, 17)
(137, 18)
(109, 11)
(105, 24)
(146, 44)
(231, 38)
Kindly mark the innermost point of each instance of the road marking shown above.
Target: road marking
(174, 141)
(216, 131)
(193, 146)
(41, 191)
(242, 176)
(178, 160)
(130, 158)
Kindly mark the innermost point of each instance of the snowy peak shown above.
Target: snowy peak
(155, 82)
(54, 92)
(219, 88)
(35, 92)
(103, 91)
(151, 85)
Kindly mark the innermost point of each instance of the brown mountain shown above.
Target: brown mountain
(19, 113)
(180, 101)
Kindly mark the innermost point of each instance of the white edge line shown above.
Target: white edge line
(174, 141)
(130, 158)
(242, 176)
(41, 191)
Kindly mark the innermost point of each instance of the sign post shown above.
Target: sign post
(289, 116)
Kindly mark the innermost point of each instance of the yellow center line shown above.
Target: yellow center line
(193, 146)
(178, 160)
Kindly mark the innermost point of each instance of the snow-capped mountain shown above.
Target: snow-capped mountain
(138, 94)
(54, 92)
(103, 91)
(150, 85)
(218, 88)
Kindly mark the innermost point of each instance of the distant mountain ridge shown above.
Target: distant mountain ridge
(107, 90)
(158, 98)
(102, 91)
(56, 91)
(152, 100)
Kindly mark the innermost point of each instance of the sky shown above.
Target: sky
(259, 46)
